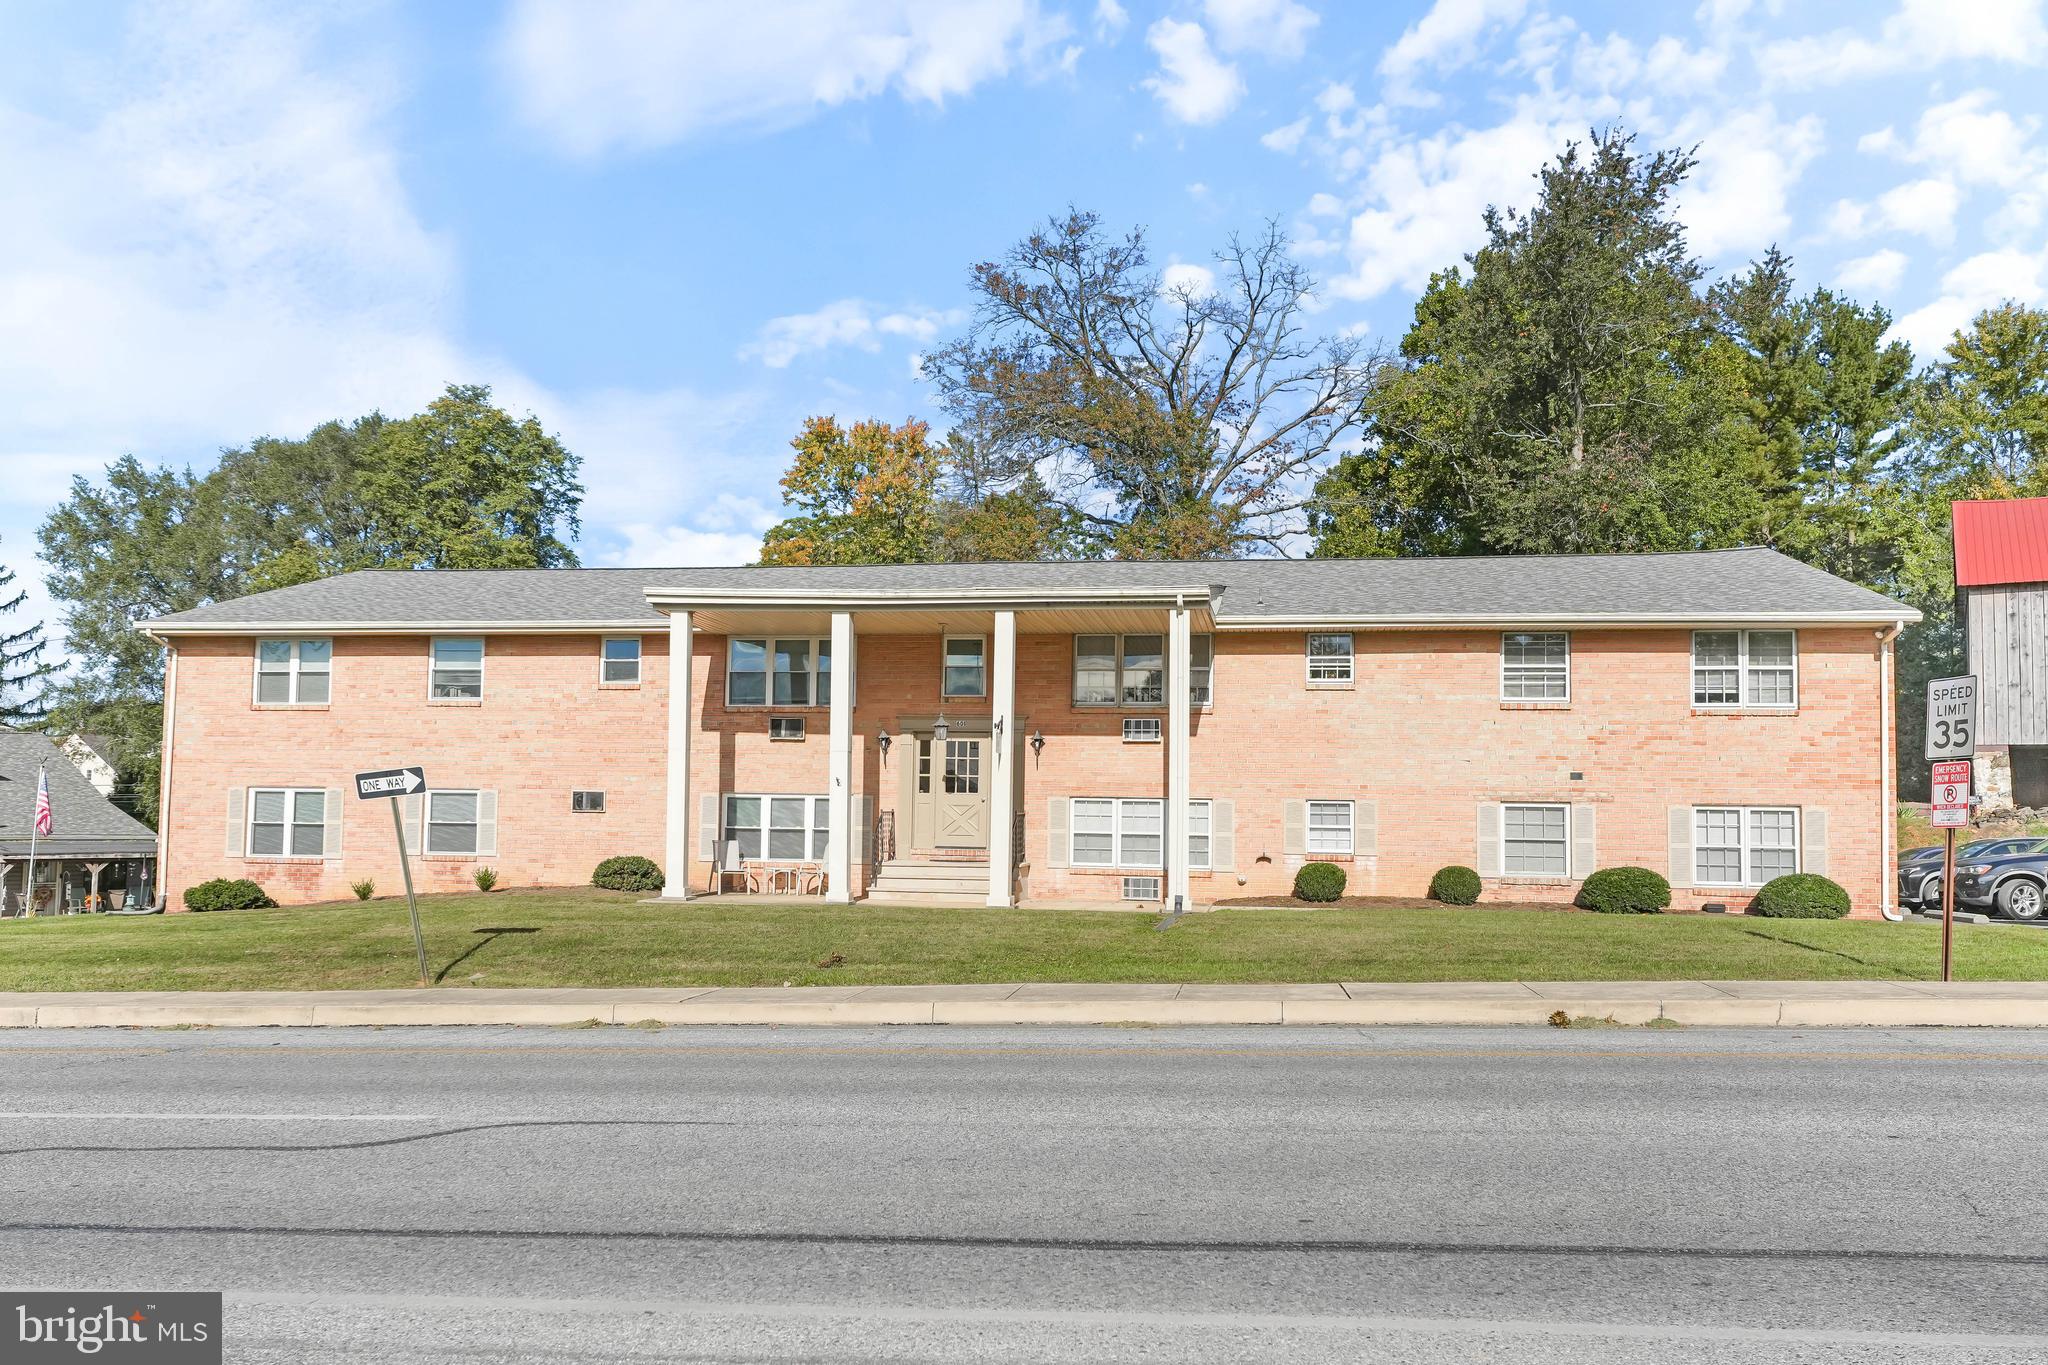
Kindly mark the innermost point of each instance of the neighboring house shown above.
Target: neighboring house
(2001, 552)
(93, 848)
(93, 755)
(1048, 733)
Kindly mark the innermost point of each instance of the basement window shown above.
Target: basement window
(587, 802)
(1142, 730)
(786, 727)
(1141, 888)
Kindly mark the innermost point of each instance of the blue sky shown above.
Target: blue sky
(674, 229)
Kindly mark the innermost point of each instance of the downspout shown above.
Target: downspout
(1888, 774)
(163, 789)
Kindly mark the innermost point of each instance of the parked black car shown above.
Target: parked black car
(1920, 868)
(2015, 886)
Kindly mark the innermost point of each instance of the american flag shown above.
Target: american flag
(43, 821)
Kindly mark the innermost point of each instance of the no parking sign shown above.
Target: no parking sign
(1951, 793)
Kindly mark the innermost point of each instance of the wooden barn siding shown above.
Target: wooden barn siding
(2009, 654)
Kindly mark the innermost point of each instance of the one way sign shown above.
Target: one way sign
(390, 782)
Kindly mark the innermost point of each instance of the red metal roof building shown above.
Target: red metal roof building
(2003, 541)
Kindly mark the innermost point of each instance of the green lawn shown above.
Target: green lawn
(596, 938)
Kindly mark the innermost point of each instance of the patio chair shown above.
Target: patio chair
(733, 863)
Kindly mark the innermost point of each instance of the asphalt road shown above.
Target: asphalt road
(1046, 1194)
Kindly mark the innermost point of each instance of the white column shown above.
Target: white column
(676, 827)
(839, 831)
(1177, 652)
(1002, 773)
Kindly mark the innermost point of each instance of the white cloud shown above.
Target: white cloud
(1969, 140)
(1182, 277)
(646, 73)
(1287, 137)
(1739, 196)
(1983, 281)
(1673, 68)
(1325, 205)
(1446, 37)
(1273, 28)
(843, 322)
(1428, 194)
(1110, 20)
(1926, 208)
(1919, 34)
(1194, 84)
(1877, 273)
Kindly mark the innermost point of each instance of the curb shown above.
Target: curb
(1634, 1008)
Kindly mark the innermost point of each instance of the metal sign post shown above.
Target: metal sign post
(1949, 807)
(1951, 744)
(393, 783)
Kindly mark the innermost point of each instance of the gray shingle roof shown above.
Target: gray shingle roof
(1681, 586)
(83, 820)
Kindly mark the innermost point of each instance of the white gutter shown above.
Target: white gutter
(163, 777)
(1887, 775)
(159, 629)
(1900, 617)
(921, 598)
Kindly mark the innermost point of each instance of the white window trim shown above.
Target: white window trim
(292, 671)
(1742, 845)
(483, 656)
(598, 792)
(1166, 646)
(285, 853)
(1308, 828)
(945, 648)
(1311, 661)
(639, 661)
(1117, 862)
(1566, 841)
(427, 822)
(1743, 668)
(817, 643)
(1564, 635)
(814, 820)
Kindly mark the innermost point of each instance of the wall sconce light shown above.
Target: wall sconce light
(999, 730)
(882, 742)
(940, 729)
(1037, 743)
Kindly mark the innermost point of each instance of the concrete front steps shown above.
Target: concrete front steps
(948, 883)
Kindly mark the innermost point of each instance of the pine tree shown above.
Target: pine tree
(21, 661)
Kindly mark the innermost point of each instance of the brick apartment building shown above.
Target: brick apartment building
(1045, 733)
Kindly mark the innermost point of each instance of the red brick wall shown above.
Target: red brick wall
(1421, 733)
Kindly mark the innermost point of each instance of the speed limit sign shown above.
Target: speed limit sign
(1951, 718)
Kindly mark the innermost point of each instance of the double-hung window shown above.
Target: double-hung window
(765, 671)
(1536, 841)
(1744, 845)
(294, 672)
(451, 821)
(1130, 670)
(1535, 667)
(621, 661)
(1329, 658)
(777, 828)
(964, 672)
(1130, 832)
(1745, 668)
(458, 669)
(286, 822)
(1329, 827)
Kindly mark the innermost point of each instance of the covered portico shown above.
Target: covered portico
(958, 783)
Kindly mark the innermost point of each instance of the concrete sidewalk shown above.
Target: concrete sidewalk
(1803, 1004)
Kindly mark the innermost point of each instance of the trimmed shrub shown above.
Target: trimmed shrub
(1455, 885)
(364, 889)
(1801, 895)
(222, 894)
(1319, 882)
(485, 878)
(1624, 891)
(628, 873)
